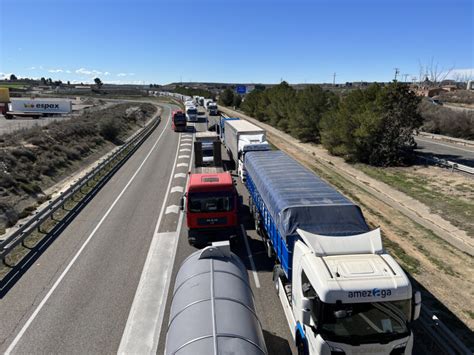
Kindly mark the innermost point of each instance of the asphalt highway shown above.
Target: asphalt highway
(445, 150)
(78, 296)
(104, 286)
(269, 310)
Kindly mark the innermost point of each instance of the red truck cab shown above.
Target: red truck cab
(178, 121)
(211, 202)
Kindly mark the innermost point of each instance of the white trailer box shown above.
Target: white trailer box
(242, 136)
(45, 106)
(237, 131)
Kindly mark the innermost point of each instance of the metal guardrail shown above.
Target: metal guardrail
(114, 162)
(450, 164)
(441, 335)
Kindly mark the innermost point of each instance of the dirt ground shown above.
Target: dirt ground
(444, 273)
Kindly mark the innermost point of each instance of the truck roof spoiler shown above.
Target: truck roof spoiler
(325, 245)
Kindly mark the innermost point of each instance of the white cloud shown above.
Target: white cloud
(4, 76)
(67, 71)
(84, 71)
(125, 74)
(31, 68)
(55, 70)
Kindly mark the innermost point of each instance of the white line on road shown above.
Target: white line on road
(180, 175)
(181, 165)
(185, 144)
(184, 150)
(177, 189)
(172, 209)
(249, 254)
(183, 156)
(143, 329)
(89, 238)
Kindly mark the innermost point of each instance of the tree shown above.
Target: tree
(43, 81)
(68, 83)
(237, 101)
(98, 83)
(227, 97)
(373, 126)
(310, 105)
(13, 77)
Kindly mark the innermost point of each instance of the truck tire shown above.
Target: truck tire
(268, 248)
(277, 273)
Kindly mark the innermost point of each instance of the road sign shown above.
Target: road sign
(241, 89)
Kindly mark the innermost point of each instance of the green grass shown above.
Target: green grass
(13, 86)
(409, 263)
(454, 209)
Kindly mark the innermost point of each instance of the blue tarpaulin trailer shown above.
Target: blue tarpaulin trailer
(285, 196)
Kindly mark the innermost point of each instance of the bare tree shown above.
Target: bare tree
(433, 72)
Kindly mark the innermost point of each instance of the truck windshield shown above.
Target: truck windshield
(192, 112)
(180, 118)
(361, 323)
(211, 202)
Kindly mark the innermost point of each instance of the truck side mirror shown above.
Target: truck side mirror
(181, 204)
(306, 306)
(416, 305)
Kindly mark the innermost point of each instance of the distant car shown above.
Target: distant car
(435, 101)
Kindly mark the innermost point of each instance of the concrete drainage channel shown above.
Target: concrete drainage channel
(23, 246)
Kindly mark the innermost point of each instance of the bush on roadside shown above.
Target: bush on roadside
(446, 121)
(110, 129)
(374, 126)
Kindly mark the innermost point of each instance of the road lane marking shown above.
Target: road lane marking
(184, 150)
(249, 255)
(183, 156)
(181, 165)
(142, 330)
(179, 175)
(79, 252)
(172, 209)
(177, 189)
(185, 144)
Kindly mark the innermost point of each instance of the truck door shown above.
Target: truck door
(304, 290)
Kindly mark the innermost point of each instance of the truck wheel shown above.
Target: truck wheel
(277, 272)
(269, 249)
(258, 228)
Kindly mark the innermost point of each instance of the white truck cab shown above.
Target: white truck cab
(348, 296)
(191, 113)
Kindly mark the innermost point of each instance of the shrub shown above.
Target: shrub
(110, 129)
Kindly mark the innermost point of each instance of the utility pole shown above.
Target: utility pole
(334, 79)
(405, 76)
(397, 71)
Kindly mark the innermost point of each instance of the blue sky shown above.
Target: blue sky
(233, 41)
